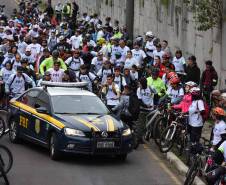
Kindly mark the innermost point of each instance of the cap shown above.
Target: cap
(149, 34)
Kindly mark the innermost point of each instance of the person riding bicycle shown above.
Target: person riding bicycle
(17, 83)
(49, 62)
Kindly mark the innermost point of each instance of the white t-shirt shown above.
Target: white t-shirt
(218, 128)
(89, 78)
(103, 73)
(175, 93)
(100, 34)
(74, 63)
(5, 74)
(150, 48)
(16, 64)
(111, 96)
(130, 62)
(139, 55)
(56, 76)
(123, 52)
(114, 49)
(120, 81)
(195, 117)
(160, 54)
(75, 41)
(97, 63)
(17, 84)
(179, 64)
(146, 96)
(134, 75)
(222, 148)
(35, 49)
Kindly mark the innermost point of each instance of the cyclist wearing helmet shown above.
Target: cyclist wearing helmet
(175, 90)
(218, 115)
(48, 63)
(149, 46)
(196, 110)
(187, 99)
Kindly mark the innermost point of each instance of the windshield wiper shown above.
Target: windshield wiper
(90, 113)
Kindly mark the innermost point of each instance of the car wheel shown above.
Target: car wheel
(55, 154)
(121, 157)
(13, 131)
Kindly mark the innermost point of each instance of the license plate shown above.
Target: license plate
(106, 144)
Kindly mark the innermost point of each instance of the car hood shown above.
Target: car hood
(88, 122)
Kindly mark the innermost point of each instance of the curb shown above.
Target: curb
(181, 167)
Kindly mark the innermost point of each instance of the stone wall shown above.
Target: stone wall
(173, 22)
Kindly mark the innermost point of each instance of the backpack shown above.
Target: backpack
(134, 106)
(72, 60)
(206, 114)
(26, 84)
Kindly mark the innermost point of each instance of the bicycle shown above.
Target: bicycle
(152, 118)
(6, 161)
(176, 132)
(201, 161)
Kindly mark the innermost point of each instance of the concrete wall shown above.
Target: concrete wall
(173, 22)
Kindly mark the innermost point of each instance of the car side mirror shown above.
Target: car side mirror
(42, 110)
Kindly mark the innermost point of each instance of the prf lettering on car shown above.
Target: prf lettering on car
(23, 122)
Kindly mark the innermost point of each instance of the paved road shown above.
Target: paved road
(32, 166)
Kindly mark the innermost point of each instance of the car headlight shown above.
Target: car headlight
(126, 132)
(73, 132)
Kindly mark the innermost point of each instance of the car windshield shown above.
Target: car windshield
(78, 104)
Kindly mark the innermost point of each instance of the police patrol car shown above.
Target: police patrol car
(63, 117)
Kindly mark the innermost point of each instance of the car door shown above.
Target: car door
(41, 125)
(26, 107)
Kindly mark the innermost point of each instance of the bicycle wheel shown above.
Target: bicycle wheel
(2, 127)
(167, 139)
(6, 158)
(192, 172)
(3, 174)
(159, 126)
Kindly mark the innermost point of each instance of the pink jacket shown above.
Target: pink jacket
(184, 104)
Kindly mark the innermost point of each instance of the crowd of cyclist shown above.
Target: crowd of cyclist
(132, 76)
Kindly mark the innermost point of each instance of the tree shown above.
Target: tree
(208, 14)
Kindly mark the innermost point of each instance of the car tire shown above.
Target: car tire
(121, 157)
(13, 131)
(55, 154)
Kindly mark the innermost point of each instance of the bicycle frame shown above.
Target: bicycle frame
(174, 124)
(153, 114)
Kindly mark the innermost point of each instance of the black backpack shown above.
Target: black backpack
(134, 106)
